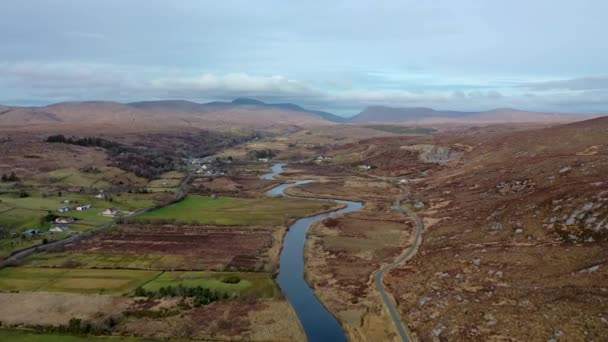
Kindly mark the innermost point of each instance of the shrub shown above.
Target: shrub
(233, 279)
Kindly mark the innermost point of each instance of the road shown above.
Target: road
(379, 276)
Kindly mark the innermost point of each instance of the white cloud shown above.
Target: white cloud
(61, 82)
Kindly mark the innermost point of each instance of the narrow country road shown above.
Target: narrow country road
(379, 276)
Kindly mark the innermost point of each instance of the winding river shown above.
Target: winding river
(319, 324)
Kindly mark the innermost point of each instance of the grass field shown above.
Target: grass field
(118, 281)
(106, 260)
(28, 336)
(99, 180)
(73, 280)
(258, 284)
(237, 211)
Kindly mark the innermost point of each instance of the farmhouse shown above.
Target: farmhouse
(63, 209)
(110, 212)
(83, 207)
(59, 228)
(64, 220)
(100, 196)
(31, 232)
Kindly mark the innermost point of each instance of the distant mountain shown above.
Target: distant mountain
(429, 115)
(240, 113)
(242, 101)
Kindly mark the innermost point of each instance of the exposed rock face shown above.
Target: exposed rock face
(515, 186)
(575, 221)
(438, 154)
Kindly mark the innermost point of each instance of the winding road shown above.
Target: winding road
(379, 276)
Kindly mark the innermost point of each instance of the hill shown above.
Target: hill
(430, 116)
(241, 113)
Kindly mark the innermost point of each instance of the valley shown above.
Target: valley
(403, 233)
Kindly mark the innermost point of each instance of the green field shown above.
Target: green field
(119, 281)
(237, 211)
(104, 178)
(402, 129)
(18, 214)
(258, 284)
(73, 280)
(28, 336)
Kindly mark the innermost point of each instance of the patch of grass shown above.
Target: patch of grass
(143, 261)
(73, 280)
(164, 183)
(28, 336)
(237, 211)
(402, 129)
(258, 284)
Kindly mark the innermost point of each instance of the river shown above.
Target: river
(318, 323)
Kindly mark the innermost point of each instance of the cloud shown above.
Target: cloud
(584, 83)
(49, 82)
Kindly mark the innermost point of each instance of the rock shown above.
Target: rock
(438, 329)
(565, 169)
(496, 226)
(423, 300)
(498, 274)
(490, 320)
(477, 262)
(519, 231)
(590, 269)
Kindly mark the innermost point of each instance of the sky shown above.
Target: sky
(339, 56)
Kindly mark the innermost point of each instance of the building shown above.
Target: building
(110, 212)
(59, 228)
(31, 232)
(63, 209)
(100, 196)
(83, 207)
(64, 220)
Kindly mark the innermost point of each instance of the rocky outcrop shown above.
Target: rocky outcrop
(438, 154)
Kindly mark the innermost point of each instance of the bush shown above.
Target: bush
(233, 279)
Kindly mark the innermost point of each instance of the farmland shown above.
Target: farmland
(116, 281)
(236, 211)
(170, 247)
(28, 336)
(73, 280)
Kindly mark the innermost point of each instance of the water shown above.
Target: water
(319, 324)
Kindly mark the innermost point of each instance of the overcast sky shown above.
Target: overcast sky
(340, 56)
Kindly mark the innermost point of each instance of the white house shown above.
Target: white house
(64, 220)
(59, 228)
(100, 196)
(110, 212)
(83, 207)
(63, 209)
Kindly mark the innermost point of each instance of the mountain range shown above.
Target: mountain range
(245, 112)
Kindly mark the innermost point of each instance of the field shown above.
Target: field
(73, 280)
(117, 281)
(171, 248)
(254, 284)
(241, 186)
(28, 336)
(168, 181)
(237, 211)
(18, 214)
